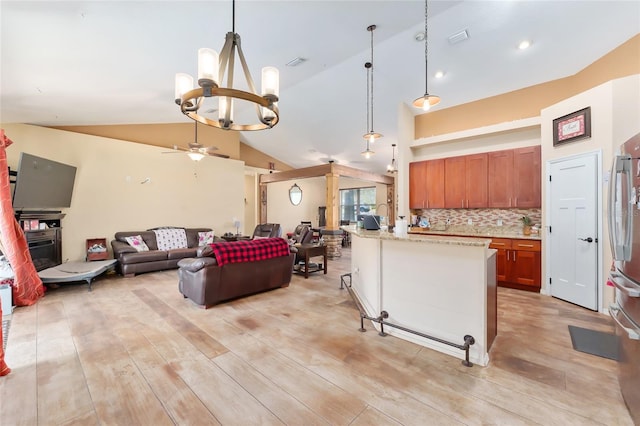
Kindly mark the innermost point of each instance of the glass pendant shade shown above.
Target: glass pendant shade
(223, 103)
(426, 102)
(184, 83)
(195, 156)
(208, 64)
(270, 81)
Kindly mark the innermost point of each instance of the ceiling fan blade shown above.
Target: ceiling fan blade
(213, 154)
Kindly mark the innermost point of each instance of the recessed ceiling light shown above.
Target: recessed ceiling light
(524, 44)
(439, 74)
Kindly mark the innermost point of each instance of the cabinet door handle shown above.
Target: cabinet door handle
(462, 202)
(509, 201)
(516, 203)
(507, 255)
(514, 255)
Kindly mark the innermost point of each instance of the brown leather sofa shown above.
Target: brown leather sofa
(206, 284)
(132, 262)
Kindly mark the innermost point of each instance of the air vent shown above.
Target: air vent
(458, 37)
(295, 62)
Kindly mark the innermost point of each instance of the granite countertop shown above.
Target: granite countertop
(478, 231)
(423, 238)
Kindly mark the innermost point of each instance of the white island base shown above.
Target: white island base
(443, 287)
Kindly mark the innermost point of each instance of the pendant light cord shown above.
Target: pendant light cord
(372, 78)
(233, 16)
(426, 48)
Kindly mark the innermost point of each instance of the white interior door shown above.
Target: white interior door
(573, 240)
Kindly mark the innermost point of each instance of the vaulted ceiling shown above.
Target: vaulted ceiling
(113, 62)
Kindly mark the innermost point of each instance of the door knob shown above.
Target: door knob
(589, 239)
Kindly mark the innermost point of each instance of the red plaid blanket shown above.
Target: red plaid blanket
(249, 251)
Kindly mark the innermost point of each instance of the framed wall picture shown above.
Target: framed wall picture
(572, 127)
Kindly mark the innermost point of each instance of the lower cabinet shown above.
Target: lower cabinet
(518, 263)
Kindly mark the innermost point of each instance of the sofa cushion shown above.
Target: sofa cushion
(137, 243)
(181, 253)
(143, 256)
(148, 236)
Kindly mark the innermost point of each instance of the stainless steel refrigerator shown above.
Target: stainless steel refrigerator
(624, 235)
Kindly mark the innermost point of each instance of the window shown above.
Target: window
(357, 201)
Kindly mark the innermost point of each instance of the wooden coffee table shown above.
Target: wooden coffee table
(307, 251)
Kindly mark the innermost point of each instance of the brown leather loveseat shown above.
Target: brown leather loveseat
(206, 283)
(132, 262)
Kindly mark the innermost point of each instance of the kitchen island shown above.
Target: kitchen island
(440, 286)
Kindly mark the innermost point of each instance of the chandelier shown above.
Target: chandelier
(371, 135)
(392, 168)
(426, 101)
(212, 69)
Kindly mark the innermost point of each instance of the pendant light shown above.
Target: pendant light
(426, 101)
(371, 136)
(392, 168)
(212, 70)
(195, 155)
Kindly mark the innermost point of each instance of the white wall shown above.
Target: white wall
(314, 190)
(279, 207)
(615, 117)
(109, 197)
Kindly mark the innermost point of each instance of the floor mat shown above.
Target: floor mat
(594, 342)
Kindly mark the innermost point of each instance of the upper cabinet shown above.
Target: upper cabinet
(514, 178)
(527, 177)
(466, 181)
(426, 184)
(501, 179)
(417, 182)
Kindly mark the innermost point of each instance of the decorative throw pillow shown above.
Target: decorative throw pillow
(137, 243)
(205, 238)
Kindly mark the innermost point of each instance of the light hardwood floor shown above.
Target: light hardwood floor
(134, 352)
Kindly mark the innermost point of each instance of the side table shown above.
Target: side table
(307, 251)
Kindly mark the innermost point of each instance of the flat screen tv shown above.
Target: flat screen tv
(42, 183)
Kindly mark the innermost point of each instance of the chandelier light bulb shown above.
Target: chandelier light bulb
(207, 67)
(184, 83)
(223, 101)
(270, 81)
(426, 106)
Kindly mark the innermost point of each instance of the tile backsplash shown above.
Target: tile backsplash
(480, 217)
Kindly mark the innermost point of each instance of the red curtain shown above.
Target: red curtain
(27, 287)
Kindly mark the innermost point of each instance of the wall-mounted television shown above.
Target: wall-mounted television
(43, 183)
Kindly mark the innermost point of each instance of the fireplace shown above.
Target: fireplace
(44, 237)
(44, 247)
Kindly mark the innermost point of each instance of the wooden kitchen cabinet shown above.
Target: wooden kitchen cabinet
(426, 184)
(518, 263)
(476, 181)
(465, 181)
(417, 182)
(455, 182)
(514, 178)
(527, 177)
(435, 184)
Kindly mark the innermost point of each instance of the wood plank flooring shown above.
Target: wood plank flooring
(134, 352)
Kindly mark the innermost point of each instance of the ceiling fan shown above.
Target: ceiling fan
(195, 150)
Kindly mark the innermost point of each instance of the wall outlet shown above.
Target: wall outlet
(499, 222)
(469, 221)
